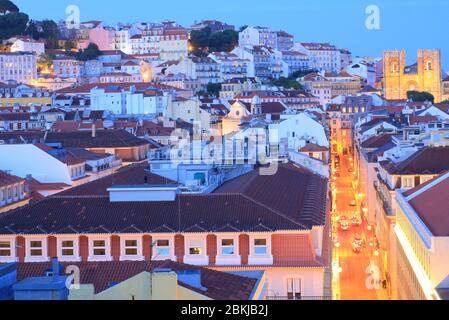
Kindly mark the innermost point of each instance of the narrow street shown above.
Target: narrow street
(358, 275)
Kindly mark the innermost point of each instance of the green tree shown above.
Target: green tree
(90, 53)
(213, 89)
(199, 39)
(204, 41)
(301, 73)
(287, 83)
(50, 32)
(12, 24)
(223, 41)
(417, 96)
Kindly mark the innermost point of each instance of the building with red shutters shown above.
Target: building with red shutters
(250, 223)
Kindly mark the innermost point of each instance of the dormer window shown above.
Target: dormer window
(260, 250)
(163, 248)
(36, 250)
(131, 248)
(195, 250)
(7, 250)
(68, 249)
(99, 249)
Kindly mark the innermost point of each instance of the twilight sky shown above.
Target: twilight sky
(404, 24)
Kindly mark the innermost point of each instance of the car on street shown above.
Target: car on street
(344, 225)
(356, 221)
(353, 203)
(356, 247)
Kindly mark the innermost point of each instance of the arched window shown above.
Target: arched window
(429, 65)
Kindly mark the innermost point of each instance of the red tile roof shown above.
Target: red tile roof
(431, 205)
(312, 147)
(65, 126)
(422, 119)
(274, 191)
(377, 141)
(219, 285)
(7, 179)
(250, 203)
(430, 160)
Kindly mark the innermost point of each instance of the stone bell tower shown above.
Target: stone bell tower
(429, 72)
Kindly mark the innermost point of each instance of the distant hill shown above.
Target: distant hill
(8, 6)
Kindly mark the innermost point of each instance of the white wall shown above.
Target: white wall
(312, 281)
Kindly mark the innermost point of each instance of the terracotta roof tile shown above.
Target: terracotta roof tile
(219, 285)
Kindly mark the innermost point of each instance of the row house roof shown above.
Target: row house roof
(429, 200)
(216, 285)
(250, 203)
(429, 160)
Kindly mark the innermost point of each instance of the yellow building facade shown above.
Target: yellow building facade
(23, 101)
(425, 75)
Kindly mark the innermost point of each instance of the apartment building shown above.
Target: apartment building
(258, 36)
(265, 62)
(231, 66)
(14, 192)
(18, 66)
(25, 44)
(296, 61)
(203, 69)
(323, 56)
(68, 67)
(421, 233)
(253, 227)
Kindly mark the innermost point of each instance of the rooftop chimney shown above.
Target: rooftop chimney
(56, 269)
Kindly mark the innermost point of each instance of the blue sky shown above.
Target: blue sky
(405, 24)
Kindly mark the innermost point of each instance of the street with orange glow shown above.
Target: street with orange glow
(356, 276)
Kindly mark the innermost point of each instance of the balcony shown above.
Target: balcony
(298, 298)
(385, 203)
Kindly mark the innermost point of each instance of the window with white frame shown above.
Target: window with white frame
(260, 246)
(131, 248)
(67, 248)
(162, 248)
(99, 247)
(195, 247)
(407, 182)
(260, 250)
(36, 249)
(227, 247)
(6, 249)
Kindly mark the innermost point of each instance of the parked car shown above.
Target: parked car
(353, 203)
(356, 221)
(344, 225)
